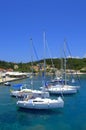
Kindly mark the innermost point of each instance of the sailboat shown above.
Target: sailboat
(41, 103)
(20, 90)
(62, 87)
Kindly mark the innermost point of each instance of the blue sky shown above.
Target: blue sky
(21, 20)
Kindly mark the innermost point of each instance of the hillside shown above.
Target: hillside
(71, 63)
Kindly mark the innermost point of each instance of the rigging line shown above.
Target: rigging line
(35, 51)
(50, 54)
(68, 64)
(71, 62)
(51, 58)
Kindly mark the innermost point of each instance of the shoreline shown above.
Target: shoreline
(8, 79)
(79, 73)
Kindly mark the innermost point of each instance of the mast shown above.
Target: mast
(62, 72)
(31, 62)
(65, 61)
(44, 56)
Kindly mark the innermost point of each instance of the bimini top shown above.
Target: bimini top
(17, 86)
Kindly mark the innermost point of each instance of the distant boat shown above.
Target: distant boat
(57, 80)
(7, 84)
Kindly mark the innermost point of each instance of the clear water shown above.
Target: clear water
(71, 117)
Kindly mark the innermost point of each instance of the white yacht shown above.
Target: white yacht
(22, 91)
(41, 103)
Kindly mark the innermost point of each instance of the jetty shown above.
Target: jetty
(12, 76)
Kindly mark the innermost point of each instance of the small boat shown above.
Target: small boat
(7, 84)
(41, 103)
(57, 79)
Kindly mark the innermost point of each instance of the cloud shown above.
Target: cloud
(84, 55)
(77, 57)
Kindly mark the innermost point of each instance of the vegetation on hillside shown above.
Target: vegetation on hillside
(71, 63)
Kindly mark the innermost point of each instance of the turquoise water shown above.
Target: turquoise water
(71, 117)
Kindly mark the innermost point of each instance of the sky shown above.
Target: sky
(21, 20)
